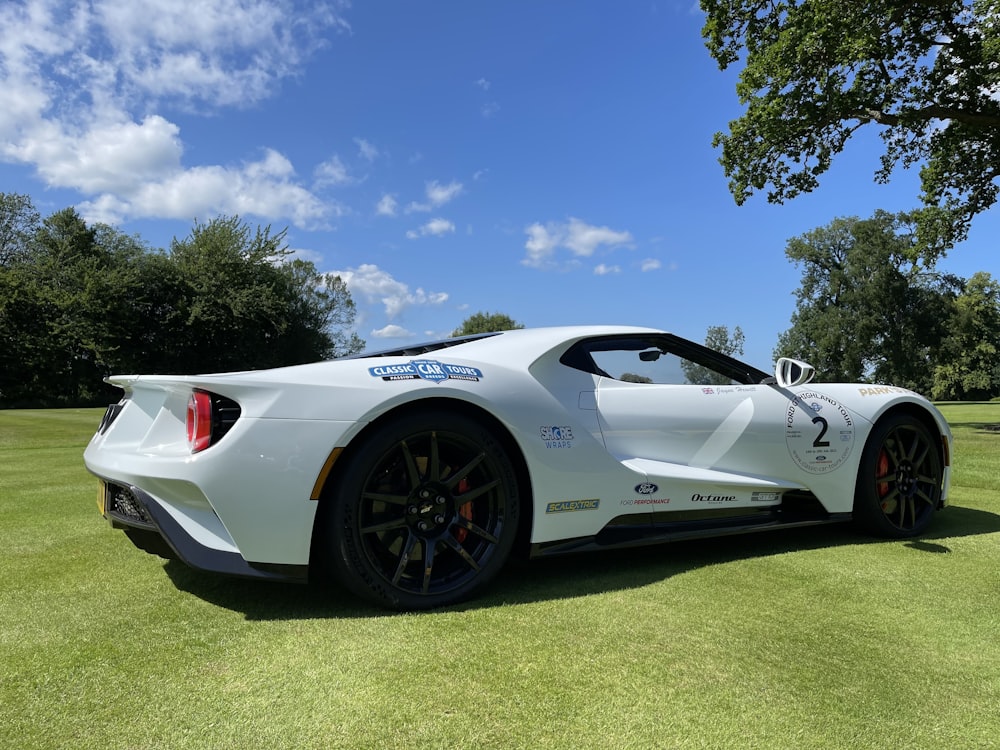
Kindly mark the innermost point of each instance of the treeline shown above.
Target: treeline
(869, 309)
(80, 302)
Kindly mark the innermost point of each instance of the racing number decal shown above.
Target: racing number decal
(819, 442)
(819, 432)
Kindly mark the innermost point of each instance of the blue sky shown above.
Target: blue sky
(550, 160)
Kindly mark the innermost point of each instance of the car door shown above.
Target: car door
(685, 418)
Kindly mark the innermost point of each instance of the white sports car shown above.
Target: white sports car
(412, 475)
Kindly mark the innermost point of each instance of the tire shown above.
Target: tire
(900, 478)
(426, 513)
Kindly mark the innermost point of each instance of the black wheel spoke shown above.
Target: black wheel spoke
(459, 475)
(891, 476)
(404, 558)
(395, 523)
(385, 497)
(428, 566)
(458, 548)
(466, 524)
(435, 459)
(893, 449)
(468, 497)
(412, 472)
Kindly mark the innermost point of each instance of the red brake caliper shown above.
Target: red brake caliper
(882, 488)
(465, 511)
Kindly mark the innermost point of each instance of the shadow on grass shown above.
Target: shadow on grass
(992, 428)
(567, 576)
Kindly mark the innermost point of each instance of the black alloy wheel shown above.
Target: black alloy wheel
(426, 514)
(900, 479)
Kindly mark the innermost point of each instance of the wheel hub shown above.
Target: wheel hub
(429, 511)
(906, 479)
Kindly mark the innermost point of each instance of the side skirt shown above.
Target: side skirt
(628, 531)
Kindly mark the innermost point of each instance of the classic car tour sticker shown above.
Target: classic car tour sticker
(819, 432)
(425, 369)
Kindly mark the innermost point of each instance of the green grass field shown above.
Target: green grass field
(816, 638)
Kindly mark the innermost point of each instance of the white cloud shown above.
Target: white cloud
(580, 238)
(603, 270)
(82, 85)
(366, 150)
(113, 156)
(371, 284)
(331, 172)
(386, 206)
(263, 188)
(392, 331)
(227, 52)
(650, 264)
(583, 239)
(433, 228)
(541, 245)
(483, 84)
(437, 195)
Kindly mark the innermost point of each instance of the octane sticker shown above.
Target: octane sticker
(819, 432)
(425, 369)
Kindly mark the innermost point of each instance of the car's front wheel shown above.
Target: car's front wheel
(425, 514)
(899, 482)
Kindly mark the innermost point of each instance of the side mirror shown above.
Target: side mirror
(789, 372)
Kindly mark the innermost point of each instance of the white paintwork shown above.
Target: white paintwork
(582, 436)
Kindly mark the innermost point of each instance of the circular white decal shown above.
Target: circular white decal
(819, 432)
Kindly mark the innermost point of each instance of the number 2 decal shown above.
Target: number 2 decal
(819, 442)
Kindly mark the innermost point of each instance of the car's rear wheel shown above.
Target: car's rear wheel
(426, 513)
(899, 482)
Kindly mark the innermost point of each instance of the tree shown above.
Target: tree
(719, 339)
(865, 309)
(970, 367)
(247, 304)
(64, 312)
(815, 72)
(80, 302)
(486, 323)
(18, 221)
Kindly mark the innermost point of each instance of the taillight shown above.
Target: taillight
(199, 421)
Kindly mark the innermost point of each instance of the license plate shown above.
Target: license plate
(102, 495)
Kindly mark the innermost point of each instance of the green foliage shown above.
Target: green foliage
(18, 221)
(246, 304)
(483, 322)
(865, 310)
(970, 367)
(719, 339)
(78, 303)
(814, 73)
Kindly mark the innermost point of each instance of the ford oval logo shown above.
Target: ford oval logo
(646, 488)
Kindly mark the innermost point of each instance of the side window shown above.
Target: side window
(654, 366)
(660, 358)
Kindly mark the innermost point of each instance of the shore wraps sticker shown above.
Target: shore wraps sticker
(819, 432)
